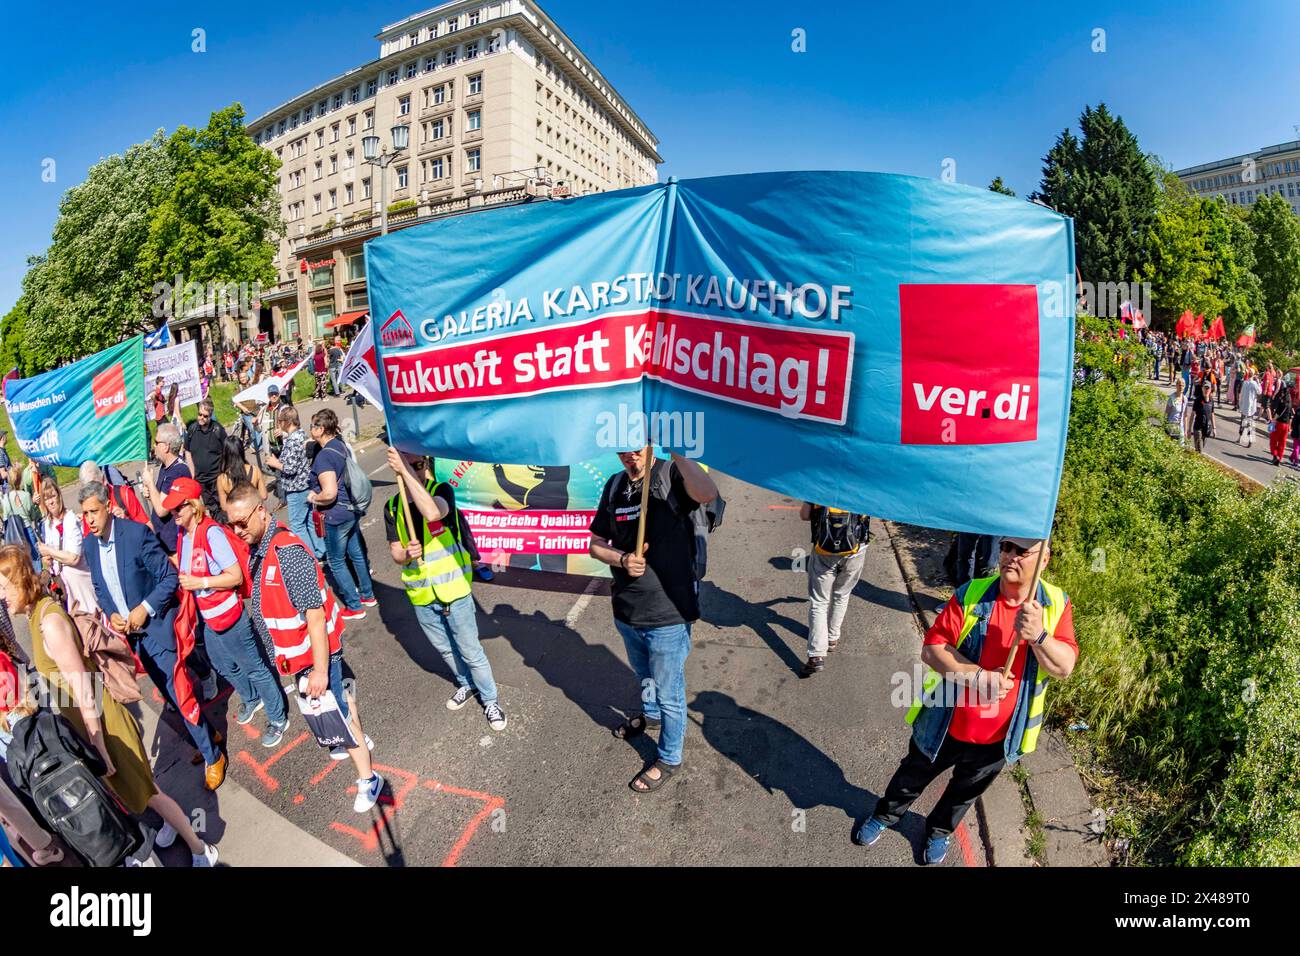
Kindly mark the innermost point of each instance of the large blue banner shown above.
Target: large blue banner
(884, 344)
(91, 410)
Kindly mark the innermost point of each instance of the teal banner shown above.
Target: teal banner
(91, 410)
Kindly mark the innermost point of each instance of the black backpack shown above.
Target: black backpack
(705, 519)
(50, 763)
(839, 532)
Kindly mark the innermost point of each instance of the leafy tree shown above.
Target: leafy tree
(85, 293)
(1105, 183)
(1179, 264)
(1277, 263)
(217, 220)
(998, 186)
(1231, 246)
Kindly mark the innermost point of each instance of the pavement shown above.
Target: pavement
(777, 769)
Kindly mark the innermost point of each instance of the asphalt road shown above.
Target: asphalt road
(777, 769)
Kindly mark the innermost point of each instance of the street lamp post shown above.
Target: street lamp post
(381, 157)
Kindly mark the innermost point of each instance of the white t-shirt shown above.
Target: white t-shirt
(1248, 401)
(65, 535)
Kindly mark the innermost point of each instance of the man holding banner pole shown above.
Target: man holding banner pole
(643, 531)
(981, 705)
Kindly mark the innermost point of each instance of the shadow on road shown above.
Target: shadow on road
(723, 609)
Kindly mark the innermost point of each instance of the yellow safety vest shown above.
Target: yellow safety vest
(443, 572)
(1052, 613)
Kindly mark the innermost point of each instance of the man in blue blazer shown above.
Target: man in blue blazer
(136, 587)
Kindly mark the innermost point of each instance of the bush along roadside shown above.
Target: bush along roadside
(1187, 607)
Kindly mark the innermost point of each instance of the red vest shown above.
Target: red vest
(221, 607)
(284, 622)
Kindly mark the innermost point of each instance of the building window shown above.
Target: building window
(401, 177)
(365, 188)
(392, 77)
(494, 43)
(359, 299)
(413, 37)
(322, 278)
(412, 68)
(347, 193)
(440, 94)
(354, 94)
(372, 87)
(349, 159)
(370, 120)
(321, 107)
(474, 120)
(352, 126)
(449, 57)
(283, 126)
(475, 85)
(317, 173)
(320, 138)
(404, 105)
(293, 121)
(334, 199)
(290, 317)
(334, 133)
(435, 169)
(453, 24)
(315, 204)
(323, 312)
(435, 130)
(307, 114)
(430, 64)
(338, 101)
(473, 17)
(356, 266)
(473, 161)
(471, 50)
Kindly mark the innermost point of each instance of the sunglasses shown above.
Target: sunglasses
(242, 525)
(1019, 551)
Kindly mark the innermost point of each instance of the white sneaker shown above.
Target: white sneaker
(208, 858)
(340, 753)
(496, 717)
(166, 836)
(368, 793)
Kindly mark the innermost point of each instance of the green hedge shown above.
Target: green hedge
(1187, 607)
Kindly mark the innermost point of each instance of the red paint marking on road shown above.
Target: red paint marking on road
(261, 768)
(219, 699)
(490, 804)
(963, 840)
(782, 507)
(330, 765)
(370, 840)
(299, 798)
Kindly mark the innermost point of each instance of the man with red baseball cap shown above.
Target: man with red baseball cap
(214, 569)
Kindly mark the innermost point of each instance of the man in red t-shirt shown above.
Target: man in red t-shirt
(983, 701)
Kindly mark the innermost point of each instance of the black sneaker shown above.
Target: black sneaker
(813, 665)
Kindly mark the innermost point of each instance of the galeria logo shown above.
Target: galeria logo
(397, 333)
(970, 364)
(109, 389)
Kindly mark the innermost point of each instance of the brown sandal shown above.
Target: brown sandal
(651, 784)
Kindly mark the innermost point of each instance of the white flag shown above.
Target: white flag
(361, 369)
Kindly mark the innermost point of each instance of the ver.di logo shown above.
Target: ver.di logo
(109, 390)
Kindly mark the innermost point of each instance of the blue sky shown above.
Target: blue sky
(894, 87)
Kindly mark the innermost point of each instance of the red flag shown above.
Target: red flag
(11, 374)
(1199, 325)
(1216, 329)
(186, 621)
(1247, 339)
(1184, 326)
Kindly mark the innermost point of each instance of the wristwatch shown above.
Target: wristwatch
(1041, 637)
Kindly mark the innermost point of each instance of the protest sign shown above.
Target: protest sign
(91, 410)
(883, 344)
(178, 364)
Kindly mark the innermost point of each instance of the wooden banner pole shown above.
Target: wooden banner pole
(647, 456)
(1033, 594)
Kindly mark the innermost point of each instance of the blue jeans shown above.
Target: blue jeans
(658, 658)
(258, 437)
(343, 544)
(159, 660)
(237, 656)
(300, 522)
(455, 636)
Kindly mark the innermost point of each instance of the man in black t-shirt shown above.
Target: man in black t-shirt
(203, 441)
(656, 594)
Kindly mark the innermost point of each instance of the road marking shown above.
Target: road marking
(580, 605)
(963, 841)
(782, 507)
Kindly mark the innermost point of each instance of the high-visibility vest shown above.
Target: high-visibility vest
(221, 608)
(443, 572)
(1053, 611)
(287, 625)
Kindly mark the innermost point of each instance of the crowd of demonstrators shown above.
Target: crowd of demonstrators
(338, 517)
